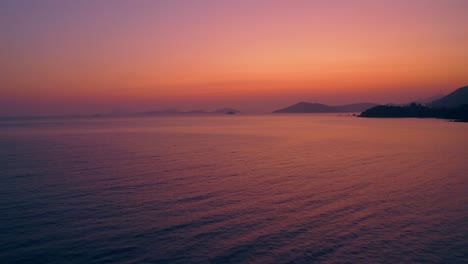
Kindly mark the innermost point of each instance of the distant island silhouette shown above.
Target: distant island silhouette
(304, 107)
(453, 106)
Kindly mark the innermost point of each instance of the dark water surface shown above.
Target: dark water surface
(234, 189)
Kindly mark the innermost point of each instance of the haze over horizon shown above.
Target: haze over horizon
(85, 57)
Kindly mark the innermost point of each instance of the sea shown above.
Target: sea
(278, 188)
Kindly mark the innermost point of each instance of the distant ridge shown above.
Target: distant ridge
(453, 106)
(457, 98)
(428, 100)
(304, 107)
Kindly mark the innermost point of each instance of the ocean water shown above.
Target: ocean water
(234, 189)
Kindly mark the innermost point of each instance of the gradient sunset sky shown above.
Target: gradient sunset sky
(84, 56)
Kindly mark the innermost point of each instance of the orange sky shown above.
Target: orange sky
(62, 57)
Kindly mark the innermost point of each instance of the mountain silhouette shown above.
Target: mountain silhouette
(304, 107)
(427, 100)
(416, 110)
(455, 99)
(453, 106)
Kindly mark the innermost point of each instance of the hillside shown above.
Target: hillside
(455, 99)
(304, 107)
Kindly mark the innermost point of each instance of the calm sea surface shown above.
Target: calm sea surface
(233, 189)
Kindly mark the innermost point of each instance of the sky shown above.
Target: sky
(97, 56)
